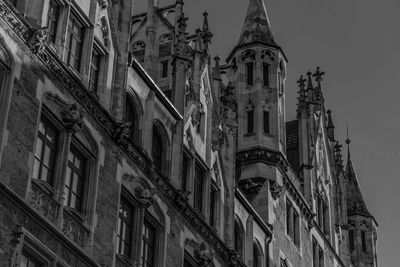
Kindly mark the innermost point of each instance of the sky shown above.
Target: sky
(357, 44)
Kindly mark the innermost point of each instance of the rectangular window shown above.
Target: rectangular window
(250, 121)
(28, 260)
(363, 240)
(94, 71)
(74, 42)
(266, 122)
(322, 215)
(45, 152)
(292, 223)
(266, 74)
(198, 187)
(125, 224)
(351, 240)
(52, 23)
(164, 69)
(74, 181)
(148, 244)
(249, 73)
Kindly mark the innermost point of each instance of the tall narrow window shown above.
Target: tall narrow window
(52, 23)
(148, 244)
(250, 121)
(164, 69)
(198, 187)
(185, 171)
(266, 74)
(292, 223)
(266, 122)
(94, 71)
(125, 224)
(322, 215)
(74, 43)
(213, 206)
(351, 240)
(45, 152)
(318, 254)
(364, 240)
(74, 181)
(249, 73)
(157, 149)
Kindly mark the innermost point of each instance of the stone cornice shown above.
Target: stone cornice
(277, 159)
(93, 108)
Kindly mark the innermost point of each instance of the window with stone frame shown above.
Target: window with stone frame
(157, 149)
(351, 240)
(29, 260)
(74, 45)
(266, 70)
(266, 122)
(75, 179)
(125, 227)
(292, 223)
(364, 240)
(249, 73)
(52, 20)
(318, 254)
(147, 254)
(45, 152)
(186, 162)
(95, 68)
(322, 215)
(214, 203)
(198, 190)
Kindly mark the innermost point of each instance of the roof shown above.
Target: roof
(256, 26)
(355, 201)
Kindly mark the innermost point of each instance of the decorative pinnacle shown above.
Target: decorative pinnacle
(348, 141)
(309, 81)
(302, 82)
(318, 74)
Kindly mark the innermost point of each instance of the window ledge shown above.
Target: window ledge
(268, 134)
(76, 215)
(249, 134)
(45, 187)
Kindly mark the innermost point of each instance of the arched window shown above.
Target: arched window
(132, 116)
(257, 254)
(238, 236)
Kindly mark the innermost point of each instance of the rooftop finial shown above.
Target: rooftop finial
(348, 141)
(205, 21)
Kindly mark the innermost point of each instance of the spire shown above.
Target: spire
(355, 200)
(256, 26)
(205, 21)
(330, 127)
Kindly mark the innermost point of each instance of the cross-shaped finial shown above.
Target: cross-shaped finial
(302, 82)
(318, 74)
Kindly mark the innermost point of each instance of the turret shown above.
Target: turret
(362, 227)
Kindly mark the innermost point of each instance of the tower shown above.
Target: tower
(257, 71)
(362, 226)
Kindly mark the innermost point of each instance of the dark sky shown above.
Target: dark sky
(357, 44)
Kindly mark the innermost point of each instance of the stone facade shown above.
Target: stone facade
(124, 143)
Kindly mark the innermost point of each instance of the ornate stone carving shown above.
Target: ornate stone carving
(197, 112)
(146, 198)
(122, 132)
(250, 186)
(73, 117)
(103, 4)
(276, 189)
(189, 137)
(38, 40)
(105, 30)
(44, 203)
(73, 228)
(217, 138)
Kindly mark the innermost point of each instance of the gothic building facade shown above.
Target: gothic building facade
(124, 143)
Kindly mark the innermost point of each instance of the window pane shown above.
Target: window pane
(250, 121)
(351, 240)
(249, 73)
(266, 74)
(148, 245)
(74, 180)
(266, 121)
(198, 187)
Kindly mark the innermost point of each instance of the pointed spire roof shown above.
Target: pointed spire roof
(355, 201)
(256, 28)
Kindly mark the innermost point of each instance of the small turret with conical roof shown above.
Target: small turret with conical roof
(362, 227)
